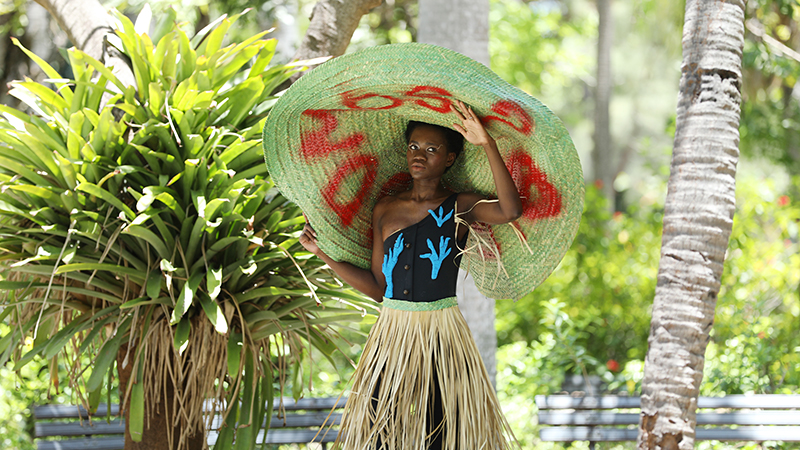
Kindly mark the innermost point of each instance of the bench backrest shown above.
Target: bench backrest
(583, 418)
(300, 424)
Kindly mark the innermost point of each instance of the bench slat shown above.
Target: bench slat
(104, 443)
(275, 436)
(294, 420)
(732, 418)
(761, 401)
(544, 402)
(287, 436)
(750, 418)
(98, 426)
(308, 404)
(49, 412)
(305, 420)
(567, 434)
(55, 412)
(786, 434)
(587, 418)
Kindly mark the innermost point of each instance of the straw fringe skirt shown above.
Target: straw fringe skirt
(410, 357)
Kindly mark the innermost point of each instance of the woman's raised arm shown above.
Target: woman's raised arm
(507, 207)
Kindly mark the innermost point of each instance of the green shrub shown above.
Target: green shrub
(158, 241)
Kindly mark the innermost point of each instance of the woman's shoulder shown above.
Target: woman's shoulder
(382, 205)
(383, 202)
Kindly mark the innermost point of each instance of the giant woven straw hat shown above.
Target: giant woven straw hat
(334, 144)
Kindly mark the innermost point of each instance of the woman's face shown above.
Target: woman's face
(427, 153)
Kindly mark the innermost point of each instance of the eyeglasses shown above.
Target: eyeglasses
(430, 149)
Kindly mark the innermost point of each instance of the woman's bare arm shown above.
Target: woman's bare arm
(508, 206)
(369, 282)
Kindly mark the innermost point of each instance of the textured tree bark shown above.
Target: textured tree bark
(463, 26)
(602, 154)
(332, 25)
(697, 221)
(87, 23)
(157, 419)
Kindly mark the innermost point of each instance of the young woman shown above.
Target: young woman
(420, 383)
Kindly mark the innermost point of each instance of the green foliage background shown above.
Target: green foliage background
(755, 347)
(594, 310)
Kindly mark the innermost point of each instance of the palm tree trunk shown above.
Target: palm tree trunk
(463, 26)
(602, 154)
(460, 25)
(697, 221)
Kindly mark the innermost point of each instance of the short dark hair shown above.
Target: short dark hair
(454, 141)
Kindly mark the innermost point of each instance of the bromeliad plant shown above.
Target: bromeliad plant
(157, 240)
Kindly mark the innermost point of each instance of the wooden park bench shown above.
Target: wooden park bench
(615, 418)
(66, 427)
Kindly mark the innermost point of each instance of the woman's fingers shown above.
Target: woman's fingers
(463, 111)
(470, 127)
(308, 235)
(308, 228)
(456, 110)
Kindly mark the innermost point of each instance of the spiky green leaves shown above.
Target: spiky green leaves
(167, 216)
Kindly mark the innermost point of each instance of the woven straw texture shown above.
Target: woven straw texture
(334, 144)
(392, 390)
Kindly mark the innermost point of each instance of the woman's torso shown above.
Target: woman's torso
(420, 261)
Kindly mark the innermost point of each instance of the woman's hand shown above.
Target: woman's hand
(471, 127)
(361, 279)
(308, 239)
(508, 206)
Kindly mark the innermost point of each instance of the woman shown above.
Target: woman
(420, 355)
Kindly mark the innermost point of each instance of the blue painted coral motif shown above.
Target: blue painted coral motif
(389, 261)
(441, 218)
(437, 258)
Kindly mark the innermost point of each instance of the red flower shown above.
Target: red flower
(612, 365)
(783, 200)
(598, 184)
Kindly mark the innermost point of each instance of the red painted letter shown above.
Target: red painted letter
(509, 109)
(545, 201)
(318, 143)
(431, 93)
(350, 100)
(347, 211)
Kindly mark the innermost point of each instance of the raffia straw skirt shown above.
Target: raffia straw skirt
(421, 383)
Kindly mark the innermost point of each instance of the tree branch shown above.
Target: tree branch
(332, 25)
(757, 28)
(87, 23)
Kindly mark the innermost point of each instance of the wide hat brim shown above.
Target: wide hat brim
(334, 144)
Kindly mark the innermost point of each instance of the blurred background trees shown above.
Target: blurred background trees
(592, 315)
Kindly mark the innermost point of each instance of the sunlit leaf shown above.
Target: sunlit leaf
(182, 332)
(214, 313)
